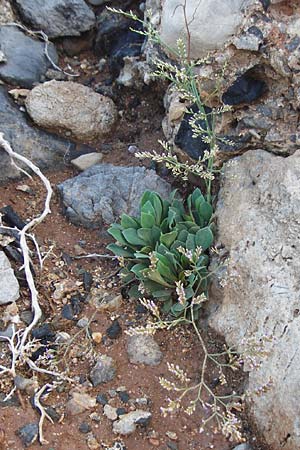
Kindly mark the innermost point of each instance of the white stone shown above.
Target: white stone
(9, 286)
(294, 28)
(83, 162)
(211, 23)
(128, 422)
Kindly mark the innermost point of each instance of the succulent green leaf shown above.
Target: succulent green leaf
(168, 238)
(204, 238)
(157, 204)
(120, 251)
(132, 237)
(129, 222)
(137, 269)
(190, 242)
(145, 198)
(147, 220)
(154, 275)
(117, 235)
(148, 208)
(205, 210)
(145, 234)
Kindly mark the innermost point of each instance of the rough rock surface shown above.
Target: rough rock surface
(40, 147)
(6, 12)
(68, 107)
(78, 403)
(211, 23)
(25, 60)
(143, 349)
(259, 226)
(128, 422)
(9, 286)
(57, 17)
(103, 192)
(103, 371)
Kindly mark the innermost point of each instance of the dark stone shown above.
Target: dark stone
(143, 421)
(25, 57)
(26, 316)
(102, 399)
(121, 411)
(87, 281)
(11, 218)
(39, 146)
(238, 144)
(67, 312)
(124, 396)
(114, 331)
(256, 32)
(141, 309)
(76, 302)
(55, 416)
(116, 40)
(85, 428)
(266, 4)
(293, 44)
(244, 90)
(12, 401)
(57, 17)
(28, 433)
(172, 445)
(184, 139)
(44, 333)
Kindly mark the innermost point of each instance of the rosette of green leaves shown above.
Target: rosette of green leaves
(162, 247)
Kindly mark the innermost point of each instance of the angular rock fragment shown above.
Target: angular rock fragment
(57, 17)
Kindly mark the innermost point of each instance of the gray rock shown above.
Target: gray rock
(83, 162)
(103, 192)
(29, 385)
(71, 108)
(9, 286)
(8, 333)
(25, 57)
(204, 23)
(103, 371)
(110, 412)
(143, 349)
(83, 322)
(57, 17)
(40, 147)
(128, 422)
(98, 2)
(78, 403)
(28, 433)
(244, 446)
(259, 226)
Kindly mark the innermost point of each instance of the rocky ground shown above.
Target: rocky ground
(79, 107)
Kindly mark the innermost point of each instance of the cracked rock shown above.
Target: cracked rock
(143, 349)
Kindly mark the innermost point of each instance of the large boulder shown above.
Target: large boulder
(259, 226)
(24, 57)
(211, 23)
(57, 17)
(103, 192)
(40, 147)
(71, 108)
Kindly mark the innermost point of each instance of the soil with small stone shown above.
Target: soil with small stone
(72, 291)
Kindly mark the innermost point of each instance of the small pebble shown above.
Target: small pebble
(102, 399)
(95, 417)
(154, 442)
(112, 393)
(82, 323)
(172, 445)
(110, 412)
(124, 397)
(84, 428)
(114, 331)
(97, 337)
(121, 411)
(171, 435)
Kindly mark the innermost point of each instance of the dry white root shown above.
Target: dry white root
(20, 344)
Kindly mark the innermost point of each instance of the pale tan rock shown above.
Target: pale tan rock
(71, 109)
(79, 403)
(83, 162)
